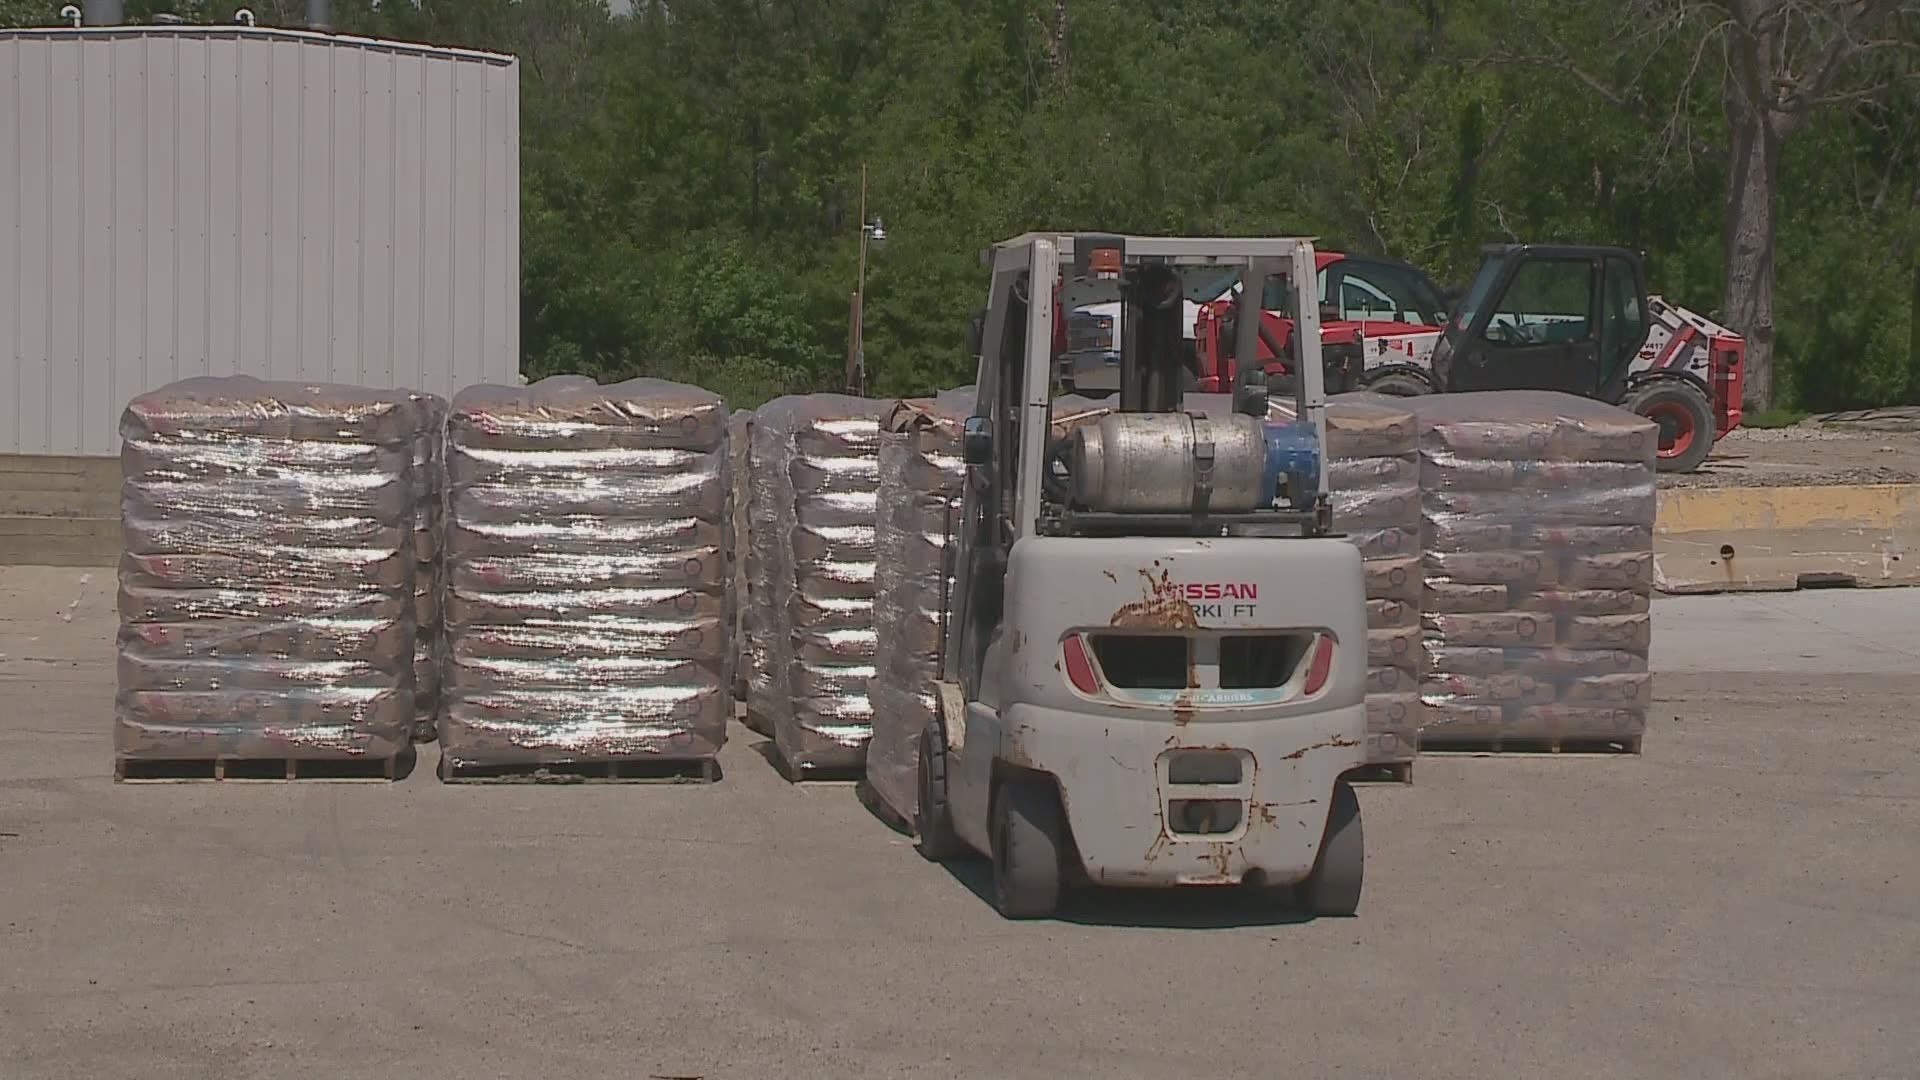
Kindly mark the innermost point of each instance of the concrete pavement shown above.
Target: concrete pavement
(1821, 631)
(1741, 901)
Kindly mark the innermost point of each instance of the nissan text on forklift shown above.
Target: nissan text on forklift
(1155, 650)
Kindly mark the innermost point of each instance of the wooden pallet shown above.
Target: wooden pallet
(608, 771)
(1389, 772)
(263, 770)
(848, 776)
(851, 776)
(1591, 746)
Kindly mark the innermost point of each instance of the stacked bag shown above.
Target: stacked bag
(816, 475)
(1373, 474)
(428, 583)
(588, 591)
(1538, 525)
(740, 464)
(921, 475)
(267, 584)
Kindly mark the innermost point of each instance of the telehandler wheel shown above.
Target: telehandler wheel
(933, 834)
(1398, 386)
(1685, 418)
(1027, 842)
(1334, 888)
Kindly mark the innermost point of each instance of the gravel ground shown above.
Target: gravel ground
(1880, 447)
(1740, 901)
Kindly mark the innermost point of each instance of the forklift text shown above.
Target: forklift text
(1221, 599)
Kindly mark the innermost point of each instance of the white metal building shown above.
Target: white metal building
(184, 200)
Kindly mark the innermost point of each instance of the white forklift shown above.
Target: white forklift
(1155, 654)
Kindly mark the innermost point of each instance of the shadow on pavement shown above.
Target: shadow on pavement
(1193, 908)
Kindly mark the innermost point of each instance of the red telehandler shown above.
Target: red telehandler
(1544, 317)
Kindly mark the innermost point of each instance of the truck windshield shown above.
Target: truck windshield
(1379, 289)
(1276, 297)
(1477, 295)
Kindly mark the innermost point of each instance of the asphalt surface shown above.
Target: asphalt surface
(1741, 901)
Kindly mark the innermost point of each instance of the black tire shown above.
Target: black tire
(933, 834)
(1340, 869)
(1685, 418)
(1399, 385)
(1027, 835)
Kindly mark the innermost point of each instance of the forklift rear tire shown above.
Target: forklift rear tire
(933, 834)
(1027, 835)
(1685, 419)
(1334, 888)
(1398, 386)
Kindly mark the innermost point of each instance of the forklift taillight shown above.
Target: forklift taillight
(1079, 668)
(1319, 666)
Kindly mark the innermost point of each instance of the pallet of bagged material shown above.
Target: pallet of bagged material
(268, 601)
(630, 770)
(263, 770)
(588, 608)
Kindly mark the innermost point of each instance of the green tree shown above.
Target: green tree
(691, 173)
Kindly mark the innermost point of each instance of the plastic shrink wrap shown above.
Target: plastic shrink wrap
(921, 474)
(1538, 530)
(428, 570)
(739, 464)
(1373, 475)
(813, 492)
(267, 581)
(587, 606)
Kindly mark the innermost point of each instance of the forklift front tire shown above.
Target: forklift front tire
(1027, 844)
(1334, 888)
(933, 833)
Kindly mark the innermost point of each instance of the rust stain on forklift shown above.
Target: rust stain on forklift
(1161, 607)
(1182, 706)
(1330, 744)
(1219, 854)
(1265, 810)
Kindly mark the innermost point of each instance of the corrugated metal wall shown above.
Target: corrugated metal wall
(290, 205)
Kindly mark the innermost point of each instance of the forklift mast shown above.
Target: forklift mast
(1151, 276)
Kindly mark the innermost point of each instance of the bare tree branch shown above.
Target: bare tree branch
(1500, 219)
(1627, 100)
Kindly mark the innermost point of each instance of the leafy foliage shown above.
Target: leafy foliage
(692, 171)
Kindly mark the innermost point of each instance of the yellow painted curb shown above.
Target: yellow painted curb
(1760, 538)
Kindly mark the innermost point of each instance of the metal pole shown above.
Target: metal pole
(320, 15)
(860, 307)
(853, 322)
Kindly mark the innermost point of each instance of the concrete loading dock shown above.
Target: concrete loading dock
(1831, 501)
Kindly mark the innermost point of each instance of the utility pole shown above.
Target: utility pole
(875, 233)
